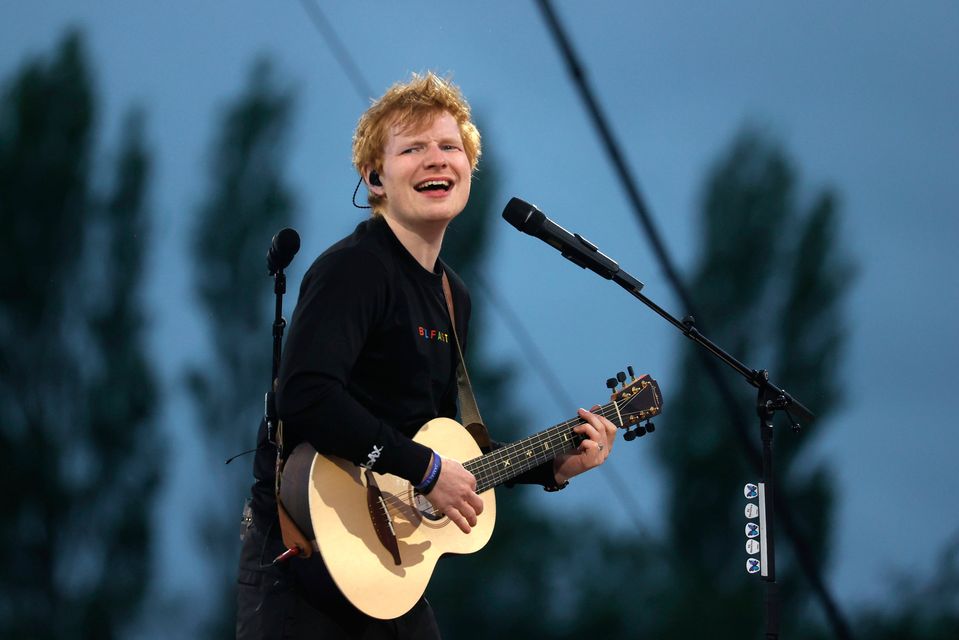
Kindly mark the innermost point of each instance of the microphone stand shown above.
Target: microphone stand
(283, 248)
(769, 400)
(279, 324)
(276, 260)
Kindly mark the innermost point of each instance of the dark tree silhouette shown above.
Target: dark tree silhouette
(78, 394)
(248, 202)
(768, 284)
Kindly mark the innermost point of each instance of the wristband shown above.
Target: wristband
(427, 485)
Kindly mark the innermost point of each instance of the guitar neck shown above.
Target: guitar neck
(507, 462)
(640, 400)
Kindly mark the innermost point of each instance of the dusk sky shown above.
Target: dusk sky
(864, 97)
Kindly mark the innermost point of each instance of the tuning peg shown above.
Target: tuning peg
(650, 427)
(636, 432)
(621, 377)
(611, 384)
(632, 376)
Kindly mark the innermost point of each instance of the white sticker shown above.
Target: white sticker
(752, 530)
(752, 565)
(752, 547)
(750, 491)
(752, 511)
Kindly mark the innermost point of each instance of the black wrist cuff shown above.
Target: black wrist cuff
(427, 485)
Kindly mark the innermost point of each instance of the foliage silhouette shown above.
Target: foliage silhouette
(79, 394)
(769, 284)
(248, 201)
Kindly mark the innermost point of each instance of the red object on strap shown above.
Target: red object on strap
(292, 552)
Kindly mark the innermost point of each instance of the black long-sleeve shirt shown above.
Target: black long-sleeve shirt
(370, 355)
(369, 358)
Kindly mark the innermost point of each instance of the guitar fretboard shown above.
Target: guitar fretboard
(507, 462)
(640, 401)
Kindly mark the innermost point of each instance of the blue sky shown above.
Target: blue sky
(863, 96)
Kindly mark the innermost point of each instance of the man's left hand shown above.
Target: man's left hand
(600, 436)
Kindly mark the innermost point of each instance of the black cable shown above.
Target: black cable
(532, 354)
(803, 552)
(355, 191)
(342, 55)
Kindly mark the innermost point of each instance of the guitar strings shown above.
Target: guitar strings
(556, 440)
(489, 464)
(489, 470)
(507, 464)
(488, 467)
(606, 411)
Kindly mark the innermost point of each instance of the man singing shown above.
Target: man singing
(371, 356)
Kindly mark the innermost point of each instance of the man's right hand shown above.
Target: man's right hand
(454, 495)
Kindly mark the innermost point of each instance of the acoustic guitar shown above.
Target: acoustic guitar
(380, 539)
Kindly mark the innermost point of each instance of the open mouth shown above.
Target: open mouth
(434, 185)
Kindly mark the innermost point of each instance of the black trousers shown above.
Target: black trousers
(298, 601)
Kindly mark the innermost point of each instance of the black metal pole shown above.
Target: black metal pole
(766, 409)
(279, 324)
(770, 399)
(834, 614)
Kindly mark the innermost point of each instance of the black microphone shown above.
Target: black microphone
(528, 219)
(284, 246)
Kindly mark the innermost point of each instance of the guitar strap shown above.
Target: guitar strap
(292, 536)
(469, 411)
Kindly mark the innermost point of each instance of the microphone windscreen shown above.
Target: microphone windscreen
(287, 242)
(523, 215)
(284, 246)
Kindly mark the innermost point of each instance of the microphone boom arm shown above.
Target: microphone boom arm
(580, 251)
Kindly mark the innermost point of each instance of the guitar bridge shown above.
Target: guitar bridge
(380, 516)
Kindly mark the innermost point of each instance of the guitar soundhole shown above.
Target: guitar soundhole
(425, 507)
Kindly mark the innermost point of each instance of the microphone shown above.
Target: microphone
(574, 247)
(284, 246)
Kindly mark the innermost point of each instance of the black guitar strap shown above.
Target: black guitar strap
(292, 535)
(469, 411)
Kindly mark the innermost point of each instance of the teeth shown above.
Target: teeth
(433, 183)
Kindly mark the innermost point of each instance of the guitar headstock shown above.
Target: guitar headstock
(636, 402)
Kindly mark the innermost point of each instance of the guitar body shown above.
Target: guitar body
(330, 503)
(382, 563)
